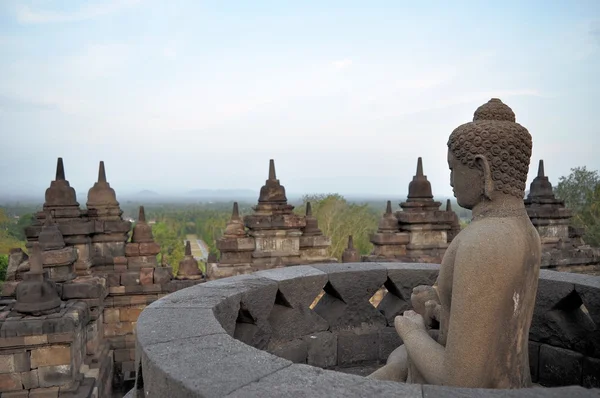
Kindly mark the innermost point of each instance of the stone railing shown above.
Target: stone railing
(256, 335)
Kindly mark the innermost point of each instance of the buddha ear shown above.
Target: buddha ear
(488, 184)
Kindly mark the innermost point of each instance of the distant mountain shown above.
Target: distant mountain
(222, 193)
(146, 192)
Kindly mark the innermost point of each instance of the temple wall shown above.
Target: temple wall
(258, 333)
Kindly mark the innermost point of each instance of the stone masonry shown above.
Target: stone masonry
(103, 281)
(417, 233)
(563, 247)
(272, 236)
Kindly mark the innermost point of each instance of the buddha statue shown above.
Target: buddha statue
(485, 292)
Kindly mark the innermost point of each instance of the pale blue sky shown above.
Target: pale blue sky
(344, 95)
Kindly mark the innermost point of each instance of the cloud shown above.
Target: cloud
(99, 60)
(16, 104)
(342, 63)
(29, 15)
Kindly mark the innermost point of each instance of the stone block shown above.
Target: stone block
(257, 299)
(534, 360)
(83, 290)
(112, 315)
(180, 360)
(298, 286)
(591, 372)
(559, 367)
(61, 273)
(130, 278)
(10, 382)
(141, 262)
(322, 349)
(16, 394)
(50, 356)
(65, 337)
(50, 392)
(392, 239)
(146, 276)
(64, 256)
(113, 279)
(347, 293)
(162, 275)
(118, 329)
(149, 249)
(306, 381)
(388, 342)
(30, 379)
(132, 250)
(175, 323)
(35, 340)
(58, 375)
(130, 314)
(358, 345)
(294, 350)
(9, 288)
(119, 260)
(7, 363)
(124, 354)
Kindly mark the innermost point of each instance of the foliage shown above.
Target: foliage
(11, 232)
(171, 245)
(339, 218)
(581, 192)
(3, 266)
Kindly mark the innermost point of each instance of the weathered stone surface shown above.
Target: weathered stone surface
(51, 356)
(306, 381)
(591, 372)
(401, 279)
(358, 345)
(430, 391)
(388, 341)
(175, 324)
(298, 286)
(534, 360)
(559, 367)
(347, 293)
(167, 370)
(292, 350)
(322, 349)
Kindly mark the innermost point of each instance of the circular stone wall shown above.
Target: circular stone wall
(256, 335)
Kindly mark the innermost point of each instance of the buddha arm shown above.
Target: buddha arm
(465, 360)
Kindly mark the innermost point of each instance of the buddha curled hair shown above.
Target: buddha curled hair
(506, 144)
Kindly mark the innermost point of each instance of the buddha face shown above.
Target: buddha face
(467, 183)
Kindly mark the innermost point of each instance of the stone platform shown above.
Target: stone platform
(256, 336)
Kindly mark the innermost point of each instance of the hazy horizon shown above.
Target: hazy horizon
(184, 95)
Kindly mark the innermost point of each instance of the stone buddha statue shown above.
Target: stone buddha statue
(485, 293)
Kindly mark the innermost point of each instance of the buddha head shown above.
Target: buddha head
(489, 157)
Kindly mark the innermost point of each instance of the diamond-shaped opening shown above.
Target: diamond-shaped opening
(139, 378)
(317, 299)
(281, 309)
(281, 300)
(328, 302)
(392, 303)
(378, 296)
(327, 292)
(585, 311)
(245, 325)
(573, 311)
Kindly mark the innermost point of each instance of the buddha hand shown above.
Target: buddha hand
(422, 294)
(432, 313)
(409, 322)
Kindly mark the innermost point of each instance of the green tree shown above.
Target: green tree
(339, 218)
(581, 192)
(7, 239)
(3, 267)
(171, 245)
